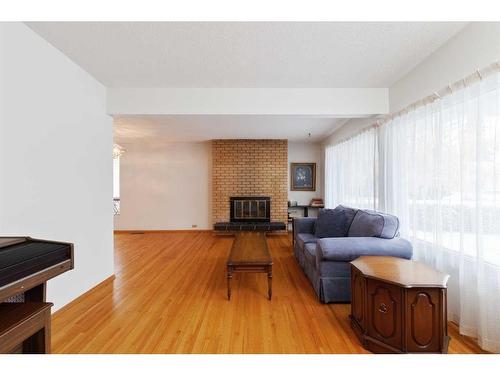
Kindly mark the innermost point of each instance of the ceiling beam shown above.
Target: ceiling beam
(332, 102)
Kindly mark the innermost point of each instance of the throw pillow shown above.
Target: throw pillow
(368, 223)
(333, 222)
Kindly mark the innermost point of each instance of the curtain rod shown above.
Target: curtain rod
(478, 75)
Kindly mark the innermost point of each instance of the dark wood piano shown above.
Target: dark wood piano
(25, 266)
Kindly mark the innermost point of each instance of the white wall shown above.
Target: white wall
(306, 152)
(165, 186)
(474, 47)
(55, 157)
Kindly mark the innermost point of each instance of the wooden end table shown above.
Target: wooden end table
(250, 253)
(398, 305)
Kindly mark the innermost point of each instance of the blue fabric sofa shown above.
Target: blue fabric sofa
(324, 246)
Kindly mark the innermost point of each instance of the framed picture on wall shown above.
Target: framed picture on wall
(303, 176)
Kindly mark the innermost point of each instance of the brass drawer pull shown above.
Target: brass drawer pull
(382, 308)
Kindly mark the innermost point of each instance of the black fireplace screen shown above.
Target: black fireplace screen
(250, 209)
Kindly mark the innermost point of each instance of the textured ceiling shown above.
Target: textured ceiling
(247, 54)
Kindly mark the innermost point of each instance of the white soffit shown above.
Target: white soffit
(331, 102)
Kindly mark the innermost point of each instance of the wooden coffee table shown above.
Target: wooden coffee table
(250, 253)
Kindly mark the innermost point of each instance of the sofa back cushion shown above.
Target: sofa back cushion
(334, 222)
(369, 223)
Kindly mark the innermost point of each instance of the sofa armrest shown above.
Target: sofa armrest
(303, 225)
(346, 249)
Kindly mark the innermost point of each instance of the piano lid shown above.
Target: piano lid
(21, 257)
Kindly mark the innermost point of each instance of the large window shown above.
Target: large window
(116, 185)
(445, 161)
(118, 151)
(438, 170)
(444, 172)
(350, 172)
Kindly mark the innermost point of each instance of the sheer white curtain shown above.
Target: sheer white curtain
(350, 172)
(440, 173)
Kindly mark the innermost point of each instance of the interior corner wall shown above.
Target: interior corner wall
(55, 157)
(165, 186)
(302, 152)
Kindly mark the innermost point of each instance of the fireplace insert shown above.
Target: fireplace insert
(250, 209)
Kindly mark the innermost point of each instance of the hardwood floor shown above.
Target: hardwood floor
(170, 296)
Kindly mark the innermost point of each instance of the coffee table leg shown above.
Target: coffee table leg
(270, 282)
(229, 277)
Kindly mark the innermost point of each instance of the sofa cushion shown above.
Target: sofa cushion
(303, 238)
(346, 249)
(369, 223)
(334, 222)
